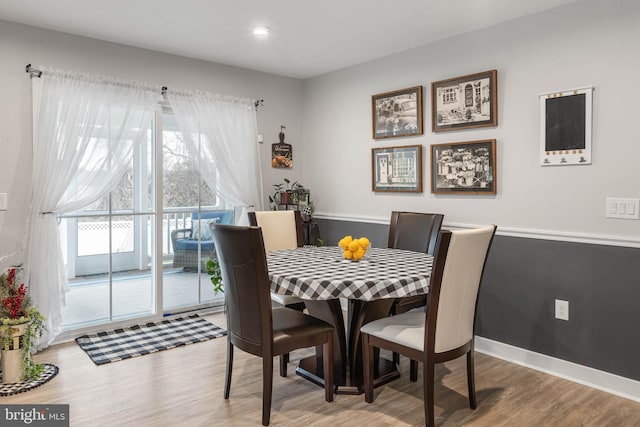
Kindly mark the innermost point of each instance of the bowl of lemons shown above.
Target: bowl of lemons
(354, 249)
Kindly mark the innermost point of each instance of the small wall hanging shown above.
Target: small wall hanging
(281, 153)
(565, 127)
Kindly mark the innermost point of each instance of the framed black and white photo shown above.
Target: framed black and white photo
(464, 167)
(397, 169)
(465, 102)
(565, 127)
(397, 113)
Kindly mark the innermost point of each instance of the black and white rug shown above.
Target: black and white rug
(120, 344)
(48, 372)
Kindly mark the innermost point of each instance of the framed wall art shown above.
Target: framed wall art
(397, 169)
(397, 113)
(464, 167)
(565, 127)
(465, 102)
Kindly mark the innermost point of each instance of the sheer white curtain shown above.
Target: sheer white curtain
(85, 130)
(221, 133)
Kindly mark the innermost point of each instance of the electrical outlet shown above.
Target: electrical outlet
(562, 310)
(3, 201)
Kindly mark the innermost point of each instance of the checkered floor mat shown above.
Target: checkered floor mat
(49, 372)
(120, 344)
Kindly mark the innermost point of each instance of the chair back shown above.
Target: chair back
(414, 231)
(246, 286)
(453, 291)
(280, 229)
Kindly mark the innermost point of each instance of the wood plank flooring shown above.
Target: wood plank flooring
(183, 387)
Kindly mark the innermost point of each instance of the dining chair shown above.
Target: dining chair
(418, 232)
(252, 324)
(281, 230)
(446, 331)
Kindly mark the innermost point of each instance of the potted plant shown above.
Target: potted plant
(213, 270)
(287, 193)
(20, 325)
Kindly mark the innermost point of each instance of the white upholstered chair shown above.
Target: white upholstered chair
(281, 230)
(445, 332)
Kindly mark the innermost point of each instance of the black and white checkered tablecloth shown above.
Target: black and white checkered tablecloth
(320, 273)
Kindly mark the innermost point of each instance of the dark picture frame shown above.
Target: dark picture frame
(397, 169)
(397, 113)
(464, 167)
(465, 102)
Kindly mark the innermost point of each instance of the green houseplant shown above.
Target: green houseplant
(213, 270)
(291, 193)
(20, 325)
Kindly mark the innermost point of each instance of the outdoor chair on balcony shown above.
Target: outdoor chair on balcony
(185, 241)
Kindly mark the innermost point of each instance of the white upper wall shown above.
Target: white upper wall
(588, 43)
(21, 45)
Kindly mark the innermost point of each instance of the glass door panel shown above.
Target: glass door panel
(186, 284)
(110, 249)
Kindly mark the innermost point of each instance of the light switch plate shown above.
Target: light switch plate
(622, 208)
(3, 201)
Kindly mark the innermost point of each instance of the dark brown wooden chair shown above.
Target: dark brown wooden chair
(252, 325)
(281, 230)
(413, 231)
(446, 331)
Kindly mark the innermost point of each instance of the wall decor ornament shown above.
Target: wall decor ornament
(565, 127)
(397, 113)
(465, 102)
(464, 167)
(397, 169)
(281, 152)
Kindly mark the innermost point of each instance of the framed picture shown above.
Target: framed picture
(397, 113)
(565, 127)
(465, 102)
(397, 169)
(464, 167)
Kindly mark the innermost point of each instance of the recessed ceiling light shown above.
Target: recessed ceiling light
(261, 31)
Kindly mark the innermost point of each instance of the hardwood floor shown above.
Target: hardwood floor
(184, 386)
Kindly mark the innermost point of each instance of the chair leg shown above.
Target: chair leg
(327, 365)
(396, 358)
(428, 379)
(227, 381)
(284, 360)
(367, 368)
(267, 388)
(413, 371)
(471, 382)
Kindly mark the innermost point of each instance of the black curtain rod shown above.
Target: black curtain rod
(34, 72)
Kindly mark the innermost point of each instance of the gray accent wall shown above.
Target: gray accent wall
(523, 277)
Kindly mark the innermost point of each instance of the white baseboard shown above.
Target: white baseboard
(610, 383)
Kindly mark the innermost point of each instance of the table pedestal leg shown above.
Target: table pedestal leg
(347, 351)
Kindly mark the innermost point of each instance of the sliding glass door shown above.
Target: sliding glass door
(120, 251)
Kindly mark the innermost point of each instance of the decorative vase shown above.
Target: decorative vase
(12, 371)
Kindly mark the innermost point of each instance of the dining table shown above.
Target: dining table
(321, 277)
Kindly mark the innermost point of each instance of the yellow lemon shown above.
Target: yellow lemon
(358, 254)
(348, 254)
(344, 242)
(363, 242)
(354, 246)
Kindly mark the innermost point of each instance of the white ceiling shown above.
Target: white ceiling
(308, 38)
